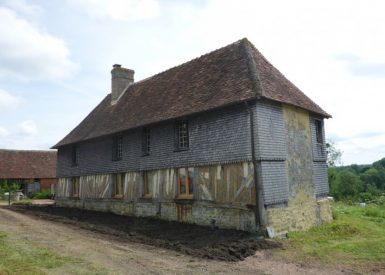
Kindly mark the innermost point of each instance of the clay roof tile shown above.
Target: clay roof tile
(231, 74)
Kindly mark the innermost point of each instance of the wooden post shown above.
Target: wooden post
(9, 192)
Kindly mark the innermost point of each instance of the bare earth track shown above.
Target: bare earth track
(197, 241)
(127, 245)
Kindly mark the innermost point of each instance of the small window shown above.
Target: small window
(185, 179)
(119, 185)
(117, 147)
(318, 131)
(148, 184)
(74, 155)
(75, 182)
(146, 141)
(182, 135)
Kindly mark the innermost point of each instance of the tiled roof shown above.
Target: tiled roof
(25, 164)
(232, 74)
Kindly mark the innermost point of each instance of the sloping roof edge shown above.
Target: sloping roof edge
(256, 69)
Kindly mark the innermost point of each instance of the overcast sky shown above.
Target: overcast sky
(56, 58)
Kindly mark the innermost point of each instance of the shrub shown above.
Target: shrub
(366, 197)
(373, 212)
(379, 200)
(42, 195)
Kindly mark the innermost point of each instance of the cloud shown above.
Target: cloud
(28, 128)
(8, 101)
(28, 53)
(360, 67)
(361, 149)
(26, 135)
(3, 132)
(23, 8)
(125, 10)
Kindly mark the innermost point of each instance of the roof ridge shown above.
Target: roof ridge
(240, 41)
(253, 73)
(29, 150)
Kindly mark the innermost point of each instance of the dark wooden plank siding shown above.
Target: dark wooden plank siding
(320, 178)
(271, 151)
(216, 137)
(270, 131)
(275, 185)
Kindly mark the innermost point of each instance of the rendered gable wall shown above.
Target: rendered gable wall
(303, 209)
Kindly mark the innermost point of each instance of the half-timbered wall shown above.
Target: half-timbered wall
(223, 195)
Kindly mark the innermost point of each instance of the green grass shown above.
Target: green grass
(356, 238)
(22, 257)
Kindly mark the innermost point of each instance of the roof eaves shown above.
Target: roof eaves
(57, 146)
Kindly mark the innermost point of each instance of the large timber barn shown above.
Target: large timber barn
(223, 140)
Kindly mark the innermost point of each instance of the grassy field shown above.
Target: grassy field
(355, 239)
(22, 257)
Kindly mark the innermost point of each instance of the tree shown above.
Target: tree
(6, 186)
(334, 178)
(380, 163)
(374, 176)
(346, 185)
(333, 154)
(334, 181)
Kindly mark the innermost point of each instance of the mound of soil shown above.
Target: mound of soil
(194, 240)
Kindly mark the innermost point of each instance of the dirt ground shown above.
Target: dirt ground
(126, 245)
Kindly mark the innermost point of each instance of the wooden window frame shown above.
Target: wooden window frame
(117, 148)
(74, 155)
(319, 131)
(146, 141)
(75, 181)
(182, 143)
(123, 177)
(146, 194)
(187, 195)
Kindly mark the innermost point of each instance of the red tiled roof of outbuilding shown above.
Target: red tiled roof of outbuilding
(27, 164)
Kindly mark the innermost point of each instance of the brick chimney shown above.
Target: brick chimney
(121, 78)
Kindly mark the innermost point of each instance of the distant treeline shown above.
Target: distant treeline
(357, 182)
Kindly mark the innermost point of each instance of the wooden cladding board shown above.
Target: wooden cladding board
(226, 183)
(230, 183)
(98, 186)
(63, 188)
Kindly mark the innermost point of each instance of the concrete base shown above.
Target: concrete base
(194, 212)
